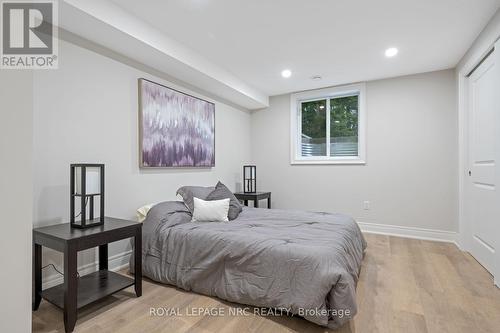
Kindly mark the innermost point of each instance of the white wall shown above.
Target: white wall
(411, 173)
(87, 111)
(16, 153)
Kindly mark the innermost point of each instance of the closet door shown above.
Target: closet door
(484, 146)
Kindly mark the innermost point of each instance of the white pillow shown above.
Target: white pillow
(210, 211)
(143, 212)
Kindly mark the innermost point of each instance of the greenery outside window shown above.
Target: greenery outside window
(328, 126)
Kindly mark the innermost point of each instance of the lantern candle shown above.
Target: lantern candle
(86, 183)
(249, 178)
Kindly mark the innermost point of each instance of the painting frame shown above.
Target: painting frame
(142, 163)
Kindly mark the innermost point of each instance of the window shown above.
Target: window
(328, 126)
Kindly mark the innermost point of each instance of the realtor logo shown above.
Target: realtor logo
(29, 34)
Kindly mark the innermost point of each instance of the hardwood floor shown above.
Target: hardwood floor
(405, 286)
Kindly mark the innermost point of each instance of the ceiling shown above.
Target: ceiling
(102, 26)
(343, 41)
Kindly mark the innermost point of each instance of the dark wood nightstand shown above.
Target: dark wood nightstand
(255, 197)
(76, 292)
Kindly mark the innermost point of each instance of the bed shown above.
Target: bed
(303, 263)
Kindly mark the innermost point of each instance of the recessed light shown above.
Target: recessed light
(286, 73)
(391, 52)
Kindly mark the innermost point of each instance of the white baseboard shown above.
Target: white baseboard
(115, 263)
(410, 232)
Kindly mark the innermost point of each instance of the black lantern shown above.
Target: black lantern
(249, 179)
(86, 183)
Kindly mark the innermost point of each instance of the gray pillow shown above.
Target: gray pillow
(188, 192)
(222, 192)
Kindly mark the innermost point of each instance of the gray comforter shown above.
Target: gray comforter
(302, 262)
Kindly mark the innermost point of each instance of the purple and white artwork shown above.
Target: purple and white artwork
(177, 130)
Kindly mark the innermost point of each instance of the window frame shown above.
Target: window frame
(296, 101)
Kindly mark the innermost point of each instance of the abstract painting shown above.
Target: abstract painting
(176, 129)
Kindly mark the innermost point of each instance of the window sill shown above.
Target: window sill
(342, 161)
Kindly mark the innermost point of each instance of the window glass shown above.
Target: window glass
(314, 128)
(344, 126)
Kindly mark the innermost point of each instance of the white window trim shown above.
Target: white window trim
(295, 123)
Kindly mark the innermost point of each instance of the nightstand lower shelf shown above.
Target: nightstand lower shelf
(91, 287)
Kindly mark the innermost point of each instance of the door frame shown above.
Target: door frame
(463, 151)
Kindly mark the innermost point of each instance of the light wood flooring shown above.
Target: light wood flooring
(405, 286)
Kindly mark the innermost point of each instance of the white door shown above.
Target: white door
(484, 162)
